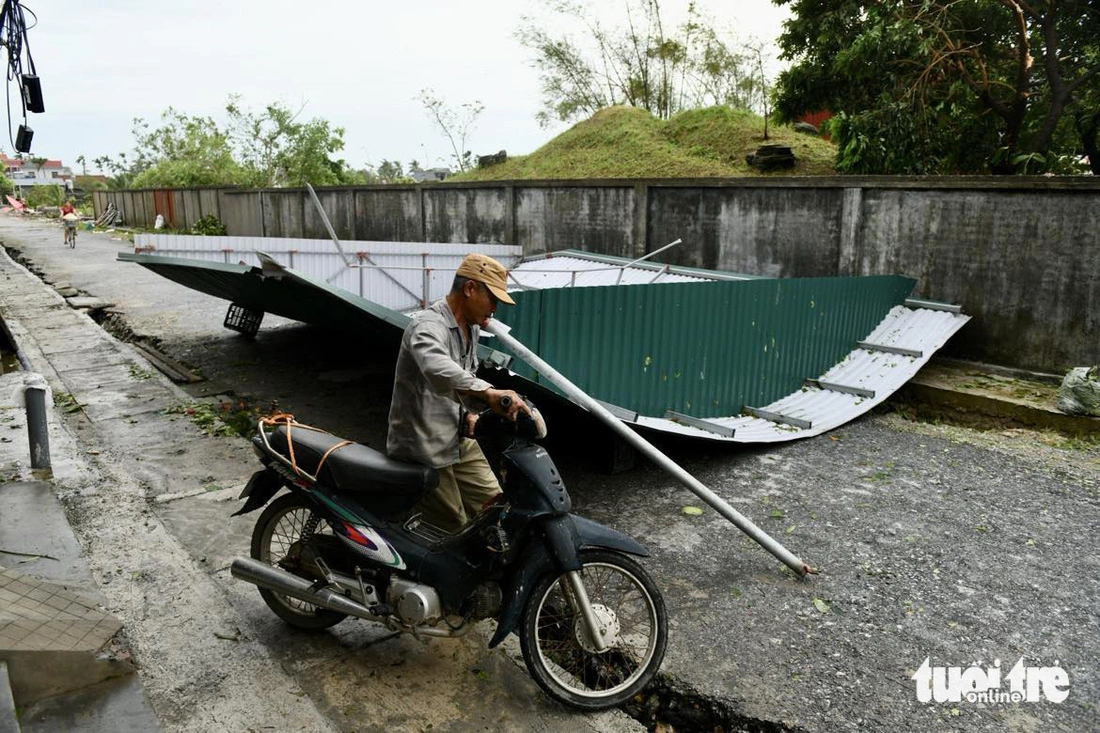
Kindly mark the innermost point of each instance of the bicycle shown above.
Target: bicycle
(70, 234)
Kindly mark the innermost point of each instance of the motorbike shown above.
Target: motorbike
(343, 540)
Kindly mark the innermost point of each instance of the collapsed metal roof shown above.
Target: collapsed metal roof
(705, 354)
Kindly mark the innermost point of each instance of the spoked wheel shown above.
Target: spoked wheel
(280, 538)
(559, 651)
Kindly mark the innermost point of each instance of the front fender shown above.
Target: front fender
(563, 539)
(594, 534)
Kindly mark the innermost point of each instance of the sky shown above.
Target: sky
(360, 64)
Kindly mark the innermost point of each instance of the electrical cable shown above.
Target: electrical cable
(13, 38)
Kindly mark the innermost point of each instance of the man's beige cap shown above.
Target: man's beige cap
(485, 269)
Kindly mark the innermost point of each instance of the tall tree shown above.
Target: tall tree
(922, 86)
(275, 148)
(639, 63)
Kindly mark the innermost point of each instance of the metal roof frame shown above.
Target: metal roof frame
(879, 358)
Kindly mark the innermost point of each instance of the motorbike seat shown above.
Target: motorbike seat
(354, 468)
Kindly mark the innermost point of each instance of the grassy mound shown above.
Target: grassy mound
(626, 142)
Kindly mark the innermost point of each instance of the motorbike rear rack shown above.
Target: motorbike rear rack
(292, 467)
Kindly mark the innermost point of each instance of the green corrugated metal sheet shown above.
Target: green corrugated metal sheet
(291, 296)
(707, 349)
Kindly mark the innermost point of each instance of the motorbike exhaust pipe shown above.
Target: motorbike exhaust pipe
(272, 578)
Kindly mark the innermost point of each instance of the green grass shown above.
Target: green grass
(625, 142)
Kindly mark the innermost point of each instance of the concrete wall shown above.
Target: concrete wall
(1019, 254)
(556, 217)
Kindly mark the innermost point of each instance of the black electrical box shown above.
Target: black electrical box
(23, 139)
(32, 93)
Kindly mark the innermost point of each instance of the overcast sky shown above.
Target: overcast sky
(357, 63)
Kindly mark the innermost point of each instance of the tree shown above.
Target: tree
(455, 124)
(183, 152)
(275, 148)
(639, 64)
(957, 85)
(1087, 125)
(120, 170)
(44, 195)
(389, 171)
(759, 85)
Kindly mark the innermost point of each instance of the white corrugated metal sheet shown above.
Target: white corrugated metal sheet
(402, 276)
(574, 269)
(915, 330)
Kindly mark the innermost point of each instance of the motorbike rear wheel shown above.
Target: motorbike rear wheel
(559, 652)
(278, 539)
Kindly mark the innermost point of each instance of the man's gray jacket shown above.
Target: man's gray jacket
(434, 362)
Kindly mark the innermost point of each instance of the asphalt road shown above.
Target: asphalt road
(933, 543)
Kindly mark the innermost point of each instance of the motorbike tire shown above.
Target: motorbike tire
(278, 531)
(553, 635)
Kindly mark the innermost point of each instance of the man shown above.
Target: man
(436, 395)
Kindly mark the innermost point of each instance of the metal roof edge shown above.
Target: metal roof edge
(142, 258)
(616, 261)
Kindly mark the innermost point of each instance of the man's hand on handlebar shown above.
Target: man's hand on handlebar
(506, 402)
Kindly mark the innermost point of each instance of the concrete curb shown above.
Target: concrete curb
(971, 392)
(9, 723)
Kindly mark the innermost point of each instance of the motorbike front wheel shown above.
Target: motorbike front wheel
(281, 534)
(557, 646)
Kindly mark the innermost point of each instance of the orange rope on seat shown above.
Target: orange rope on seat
(285, 418)
(320, 463)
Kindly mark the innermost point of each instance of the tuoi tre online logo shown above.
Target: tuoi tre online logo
(975, 684)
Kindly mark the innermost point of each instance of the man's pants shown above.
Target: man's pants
(463, 489)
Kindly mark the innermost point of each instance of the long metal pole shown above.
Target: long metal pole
(328, 226)
(654, 252)
(576, 394)
(645, 257)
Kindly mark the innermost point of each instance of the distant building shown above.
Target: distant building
(25, 173)
(431, 174)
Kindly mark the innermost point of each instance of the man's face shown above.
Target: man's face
(481, 304)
